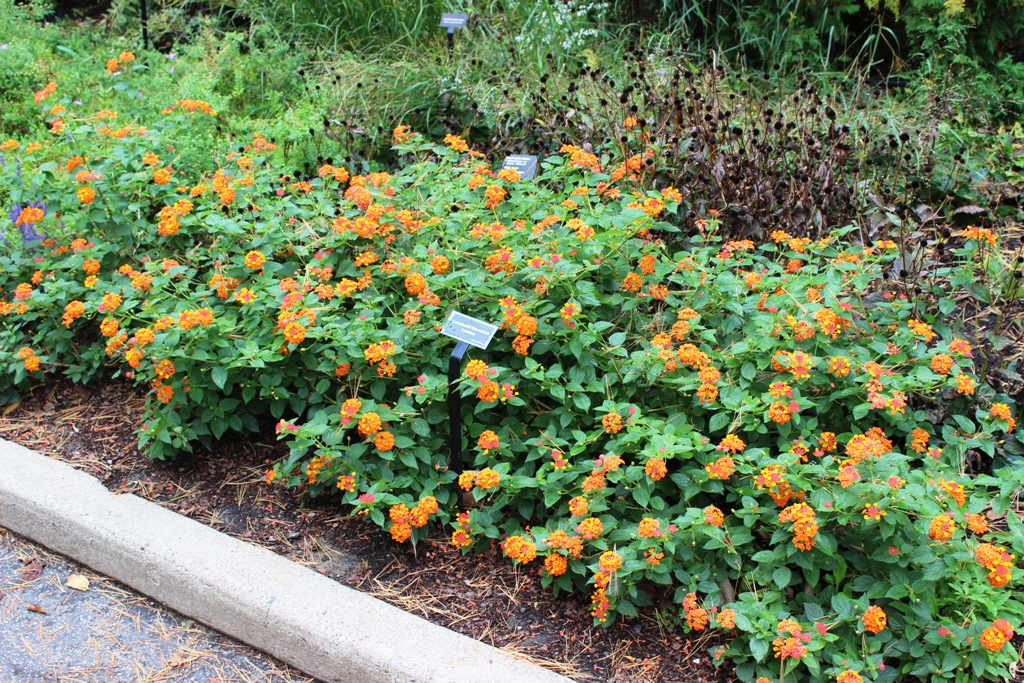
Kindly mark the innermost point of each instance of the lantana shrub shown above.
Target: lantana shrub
(762, 431)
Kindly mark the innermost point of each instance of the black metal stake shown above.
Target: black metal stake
(145, 24)
(455, 416)
(451, 44)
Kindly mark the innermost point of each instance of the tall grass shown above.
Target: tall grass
(343, 25)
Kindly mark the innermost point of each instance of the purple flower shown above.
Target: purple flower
(77, 102)
(29, 234)
(28, 230)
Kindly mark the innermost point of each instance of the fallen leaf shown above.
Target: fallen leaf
(78, 582)
(31, 572)
(37, 609)
(10, 408)
(179, 659)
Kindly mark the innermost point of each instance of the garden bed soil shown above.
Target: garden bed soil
(483, 596)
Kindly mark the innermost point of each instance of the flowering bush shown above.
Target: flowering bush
(764, 428)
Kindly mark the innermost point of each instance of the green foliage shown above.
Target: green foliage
(360, 25)
(664, 411)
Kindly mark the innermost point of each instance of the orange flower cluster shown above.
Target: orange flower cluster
(612, 423)
(488, 441)
(495, 194)
(721, 468)
(872, 444)
(401, 134)
(189, 318)
(649, 528)
(440, 265)
(696, 617)
(192, 106)
(294, 332)
(579, 158)
(955, 491)
(772, 478)
(519, 549)
(29, 358)
(732, 444)
(1001, 411)
(997, 561)
(656, 469)
(607, 565)
(487, 479)
(590, 528)
(792, 641)
(874, 619)
(404, 520)
(30, 215)
(976, 523)
(369, 424)
(72, 311)
(476, 369)
(461, 537)
(921, 330)
(555, 564)
(983, 234)
(941, 528)
(379, 354)
(993, 639)
(456, 143)
(804, 525)
(713, 516)
(831, 323)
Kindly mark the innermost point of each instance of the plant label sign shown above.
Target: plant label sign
(526, 164)
(469, 330)
(453, 21)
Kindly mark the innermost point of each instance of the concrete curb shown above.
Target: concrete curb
(289, 611)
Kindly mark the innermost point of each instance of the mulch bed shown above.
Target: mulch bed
(482, 596)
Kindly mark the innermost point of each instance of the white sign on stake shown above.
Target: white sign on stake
(469, 330)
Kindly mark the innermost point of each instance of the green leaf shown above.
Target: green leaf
(625, 607)
(219, 375)
(587, 293)
(641, 496)
(782, 576)
(378, 389)
(965, 424)
(582, 401)
(978, 663)
(758, 648)
(748, 371)
(718, 422)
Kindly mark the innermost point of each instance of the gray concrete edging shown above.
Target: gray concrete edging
(309, 621)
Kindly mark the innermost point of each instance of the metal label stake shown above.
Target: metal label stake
(145, 24)
(469, 332)
(452, 22)
(455, 417)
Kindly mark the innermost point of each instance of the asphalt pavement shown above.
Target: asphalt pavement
(53, 631)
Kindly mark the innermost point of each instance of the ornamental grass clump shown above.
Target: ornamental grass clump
(759, 431)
